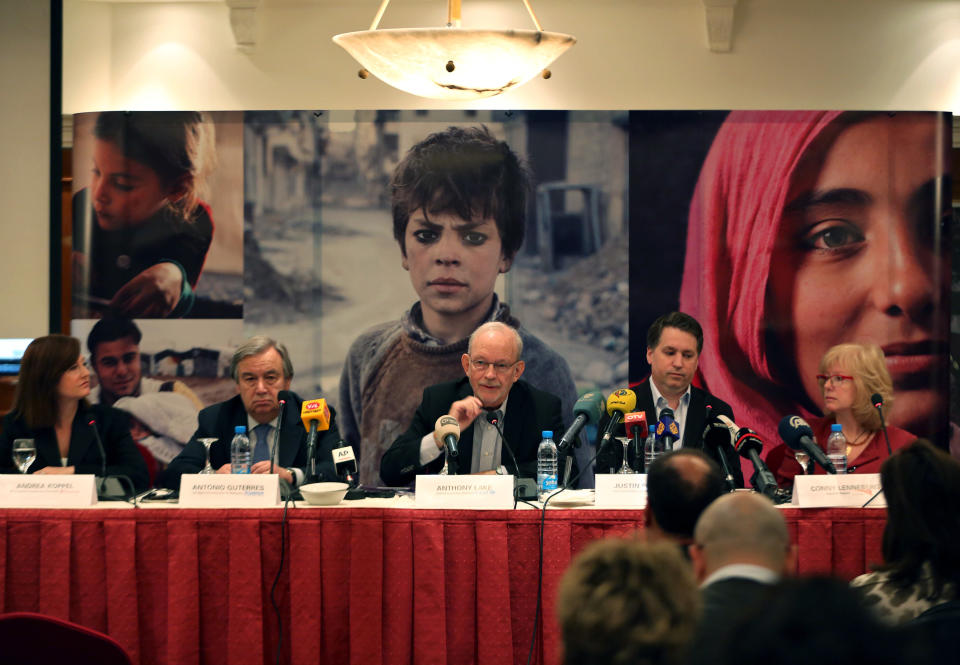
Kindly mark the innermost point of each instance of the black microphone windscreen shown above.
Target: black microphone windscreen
(791, 429)
(877, 400)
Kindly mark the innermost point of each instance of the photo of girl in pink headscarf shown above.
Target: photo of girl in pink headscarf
(810, 229)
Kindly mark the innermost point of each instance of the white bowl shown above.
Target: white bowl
(324, 494)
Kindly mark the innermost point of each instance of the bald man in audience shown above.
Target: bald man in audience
(680, 485)
(741, 549)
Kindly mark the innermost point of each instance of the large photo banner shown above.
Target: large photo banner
(371, 243)
(789, 233)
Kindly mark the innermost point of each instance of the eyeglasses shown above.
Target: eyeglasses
(482, 365)
(833, 379)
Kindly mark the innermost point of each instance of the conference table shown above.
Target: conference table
(375, 581)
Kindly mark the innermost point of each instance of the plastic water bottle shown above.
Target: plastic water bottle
(240, 451)
(837, 448)
(652, 448)
(546, 466)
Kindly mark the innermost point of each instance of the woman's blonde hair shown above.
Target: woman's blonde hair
(868, 367)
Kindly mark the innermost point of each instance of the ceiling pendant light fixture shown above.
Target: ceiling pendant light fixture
(453, 62)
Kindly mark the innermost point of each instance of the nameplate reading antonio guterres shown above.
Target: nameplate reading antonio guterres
(232, 490)
(490, 492)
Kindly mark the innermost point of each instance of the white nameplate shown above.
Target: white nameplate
(837, 491)
(614, 490)
(219, 490)
(482, 491)
(48, 491)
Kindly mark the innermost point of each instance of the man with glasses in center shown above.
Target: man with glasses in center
(490, 396)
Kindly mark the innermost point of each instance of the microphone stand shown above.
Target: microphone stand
(518, 483)
(878, 405)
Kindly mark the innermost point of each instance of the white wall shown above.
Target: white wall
(632, 54)
(876, 54)
(24, 167)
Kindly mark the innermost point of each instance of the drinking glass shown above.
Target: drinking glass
(24, 453)
(803, 458)
(208, 441)
(625, 467)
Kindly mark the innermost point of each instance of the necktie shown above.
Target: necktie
(261, 451)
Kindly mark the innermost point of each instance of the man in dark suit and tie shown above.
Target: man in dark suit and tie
(490, 391)
(674, 342)
(741, 549)
(262, 369)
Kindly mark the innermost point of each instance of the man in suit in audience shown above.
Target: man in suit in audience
(263, 370)
(674, 342)
(741, 548)
(491, 389)
(680, 486)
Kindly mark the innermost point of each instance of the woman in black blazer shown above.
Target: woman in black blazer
(51, 408)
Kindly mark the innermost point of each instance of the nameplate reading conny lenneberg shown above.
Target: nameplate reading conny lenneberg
(837, 491)
(232, 490)
(484, 491)
(615, 490)
(48, 491)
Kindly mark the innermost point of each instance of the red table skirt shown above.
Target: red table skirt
(357, 585)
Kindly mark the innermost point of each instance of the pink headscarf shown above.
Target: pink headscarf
(734, 223)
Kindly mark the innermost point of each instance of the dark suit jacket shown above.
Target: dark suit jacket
(220, 419)
(724, 602)
(612, 457)
(123, 458)
(529, 412)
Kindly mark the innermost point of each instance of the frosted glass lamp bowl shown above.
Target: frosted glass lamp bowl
(454, 63)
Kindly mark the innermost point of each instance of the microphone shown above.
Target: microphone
(103, 454)
(282, 396)
(523, 488)
(635, 422)
(796, 433)
(716, 438)
(667, 429)
(749, 445)
(448, 429)
(345, 463)
(315, 415)
(101, 489)
(877, 400)
(588, 409)
(620, 403)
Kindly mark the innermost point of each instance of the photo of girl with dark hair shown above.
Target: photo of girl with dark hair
(141, 230)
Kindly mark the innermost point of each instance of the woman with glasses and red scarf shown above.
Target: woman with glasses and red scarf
(850, 374)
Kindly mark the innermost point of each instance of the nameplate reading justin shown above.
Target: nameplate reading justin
(48, 491)
(837, 491)
(233, 490)
(480, 492)
(615, 490)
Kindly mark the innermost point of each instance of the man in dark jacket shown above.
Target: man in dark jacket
(491, 395)
(263, 371)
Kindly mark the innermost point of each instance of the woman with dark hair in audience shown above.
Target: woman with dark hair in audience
(51, 408)
(921, 542)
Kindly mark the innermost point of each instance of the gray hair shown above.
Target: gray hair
(254, 347)
(740, 523)
(497, 326)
